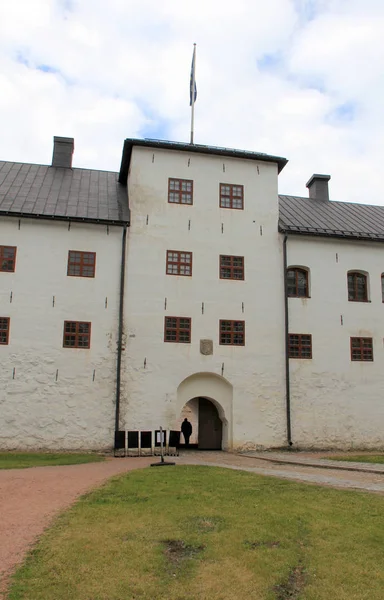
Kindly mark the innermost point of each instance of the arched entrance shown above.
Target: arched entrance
(207, 426)
(205, 399)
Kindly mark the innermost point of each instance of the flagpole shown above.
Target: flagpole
(193, 93)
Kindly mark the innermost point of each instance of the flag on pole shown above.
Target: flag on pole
(193, 91)
(192, 83)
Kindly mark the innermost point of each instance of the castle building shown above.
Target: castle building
(185, 286)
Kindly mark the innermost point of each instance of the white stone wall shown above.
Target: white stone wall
(154, 369)
(53, 397)
(337, 402)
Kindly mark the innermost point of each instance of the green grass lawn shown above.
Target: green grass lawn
(364, 458)
(206, 533)
(16, 460)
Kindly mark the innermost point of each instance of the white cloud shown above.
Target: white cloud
(298, 78)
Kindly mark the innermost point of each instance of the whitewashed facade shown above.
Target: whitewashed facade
(51, 396)
(57, 397)
(246, 383)
(337, 402)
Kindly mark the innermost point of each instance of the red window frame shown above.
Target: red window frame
(7, 263)
(233, 266)
(229, 196)
(179, 190)
(4, 331)
(73, 331)
(179, 261)
(294, 288)
(177, 330)
(232, 333)
(83, 262)
(300, 345)
(353, 287)
(361, 349)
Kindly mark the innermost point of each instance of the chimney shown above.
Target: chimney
(318, 187)
(62, 152)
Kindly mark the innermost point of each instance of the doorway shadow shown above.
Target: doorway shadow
(206, 425)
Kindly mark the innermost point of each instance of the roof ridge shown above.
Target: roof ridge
(16, 162)
(338, 202)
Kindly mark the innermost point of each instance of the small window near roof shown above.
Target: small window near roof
(232, 333)
(81, 264)
(231, 196)
(7, 258)
(382, 287)
(297, 283)
(179, 263)
(180, 191)
(177, 329)
(300, 345)
(361, 349)
(231, 267)
(77, 334)
(357, 287)
(4, 331)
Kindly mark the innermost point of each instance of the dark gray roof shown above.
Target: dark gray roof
(308, 216)
(40, 191)
(129, 143)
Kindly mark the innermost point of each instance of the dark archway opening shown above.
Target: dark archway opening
(210, 426)
(207, 426)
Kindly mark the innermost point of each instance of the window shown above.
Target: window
(179, 263)
(81, 264)
(7, 258)
(232, 333)
(177, 329)
(297, 283)
(357, 287)
(4, 331)
(382, 287)
(231, 267)
(77, 334)
(361, 348)
(300, 345)
(180, 191)
(231, 196)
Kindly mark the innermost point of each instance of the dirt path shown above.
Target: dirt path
(31, 498)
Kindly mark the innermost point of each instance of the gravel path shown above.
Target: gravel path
(31, 498)
(344, 479)
(317, 459)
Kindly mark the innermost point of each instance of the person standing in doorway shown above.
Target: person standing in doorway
(186, 429)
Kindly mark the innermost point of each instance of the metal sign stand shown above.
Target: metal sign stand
(162, 463)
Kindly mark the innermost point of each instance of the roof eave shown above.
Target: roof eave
(129, 143)
(331, 234)
(93, 221)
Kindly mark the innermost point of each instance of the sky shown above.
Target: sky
(303, 79)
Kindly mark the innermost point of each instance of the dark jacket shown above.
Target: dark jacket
(186, 428)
